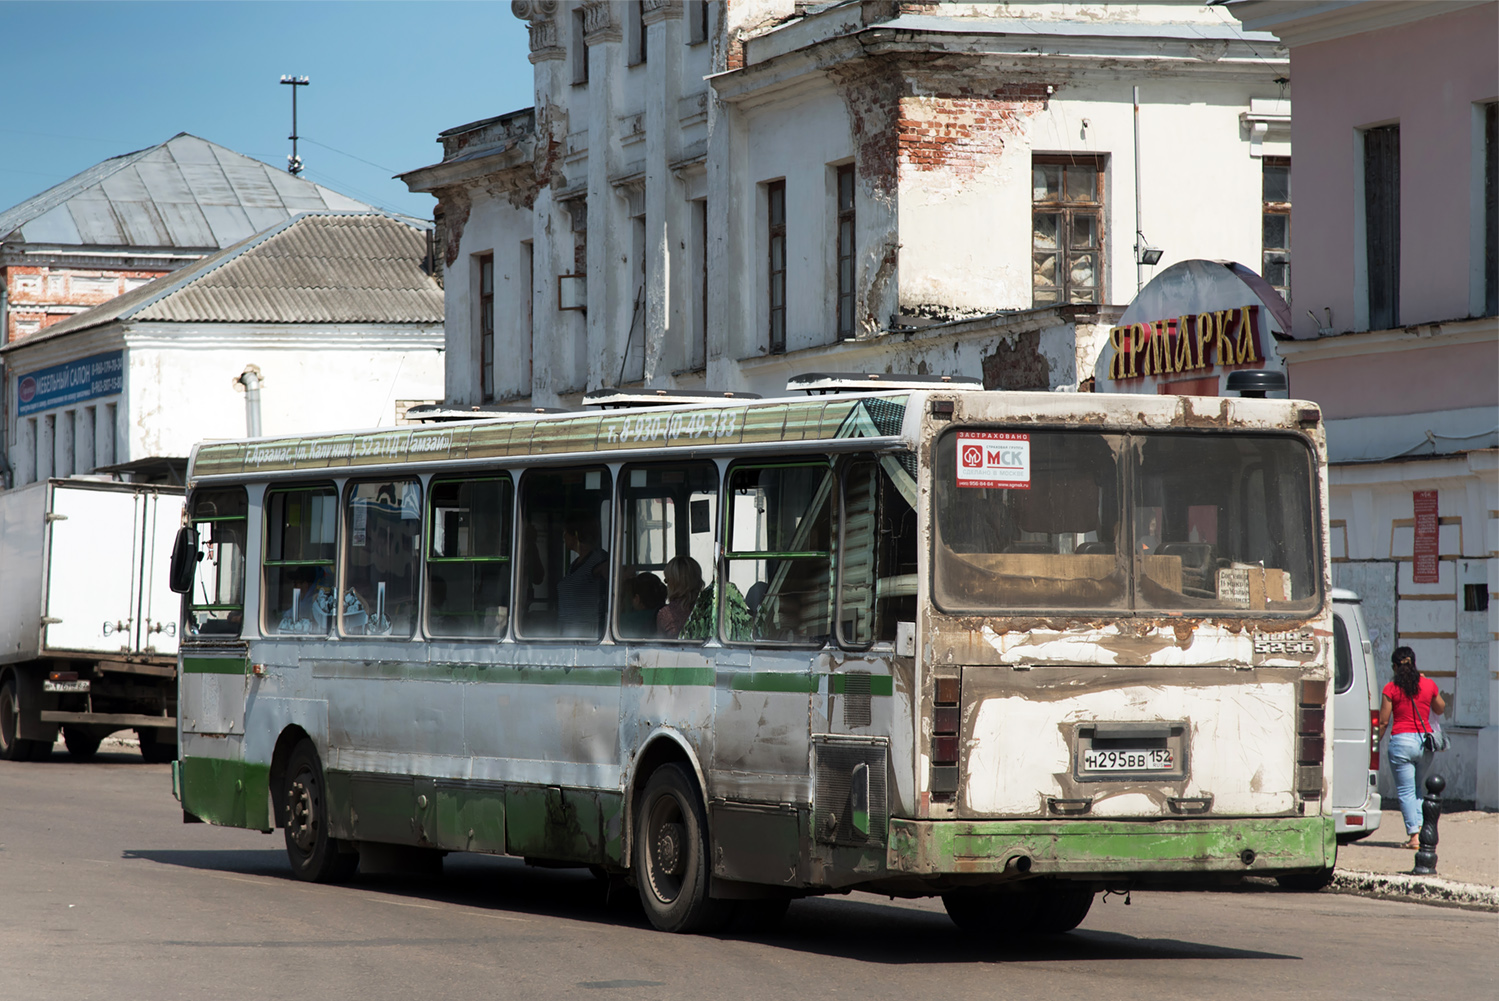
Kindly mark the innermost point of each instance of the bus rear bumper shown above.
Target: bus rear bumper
(1103, 848)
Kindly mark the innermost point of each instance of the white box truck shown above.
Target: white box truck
(88, 624)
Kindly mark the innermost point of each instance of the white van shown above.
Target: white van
(1355, 719)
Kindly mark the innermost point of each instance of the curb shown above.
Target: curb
(1414, 889)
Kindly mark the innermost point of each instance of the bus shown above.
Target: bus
(898, 634)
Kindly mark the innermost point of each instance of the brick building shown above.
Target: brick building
(725, 194)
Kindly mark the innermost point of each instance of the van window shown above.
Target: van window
(1342, 655)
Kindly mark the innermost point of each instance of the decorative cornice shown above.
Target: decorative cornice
(533, 10)
(652, 11)
(599, 24)
(544, 41)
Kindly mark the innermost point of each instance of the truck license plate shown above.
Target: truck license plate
(1154, 759)
(48, 685)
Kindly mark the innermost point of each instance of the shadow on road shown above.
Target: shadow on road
(866, 931)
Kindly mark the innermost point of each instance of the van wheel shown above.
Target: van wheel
(314, 855)
(82, 744)
(671, 855)
(12, 747)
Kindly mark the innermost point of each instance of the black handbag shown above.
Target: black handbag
(1432, 738)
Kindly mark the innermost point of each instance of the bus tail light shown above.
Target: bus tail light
(1373, 740)
(1311, 737)
(946, 723)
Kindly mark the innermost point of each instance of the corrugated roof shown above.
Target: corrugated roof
(185, 193)
(318, 267)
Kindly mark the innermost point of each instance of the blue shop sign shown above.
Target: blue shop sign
(70, 382)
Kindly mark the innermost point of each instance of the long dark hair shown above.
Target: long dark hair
(1407, 677)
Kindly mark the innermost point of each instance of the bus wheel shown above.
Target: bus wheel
(12, 747)
(1061, 910)
(82, 744)
(314, 856)
(671, 855)
(154, 750)
(986, 913)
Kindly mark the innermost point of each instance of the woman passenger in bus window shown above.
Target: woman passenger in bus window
(684, 582)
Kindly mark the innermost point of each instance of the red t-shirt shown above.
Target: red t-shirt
(1404, 721)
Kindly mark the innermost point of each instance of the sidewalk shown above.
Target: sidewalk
(1467, 869)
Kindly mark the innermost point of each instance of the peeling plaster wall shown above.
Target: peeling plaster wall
(493, 225)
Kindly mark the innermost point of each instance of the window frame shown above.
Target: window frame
(845, 244)
(1097, 208)
(190, 605)
(1381, 218)
(775, 218)
(345, 551)
(327, 488)
(486, 327)
(727, 554)
(428, 558)
(622, 521)
(519, 512)
(1268, 207)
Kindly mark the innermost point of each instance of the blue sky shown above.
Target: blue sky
(84, 81)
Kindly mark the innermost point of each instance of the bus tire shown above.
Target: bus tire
(1062, 909)
(314, 855)
(671, 855)
(154, 750)
(12, 747)
(82, 743)
(988, 914)
(1306, 882)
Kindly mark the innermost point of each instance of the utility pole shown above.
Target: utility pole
(294, 162)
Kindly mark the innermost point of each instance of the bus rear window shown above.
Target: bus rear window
(1082, 520)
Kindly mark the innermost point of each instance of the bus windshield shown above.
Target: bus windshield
(1219, 523)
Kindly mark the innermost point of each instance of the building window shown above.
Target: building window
(1275, 249)
(698, 355)
(486, 326)
(775, 201)
(697, 21)
(1382, 224)
(1491, 208)
(635, 33)
(1067, 229)
(845, 184)
(578, 48)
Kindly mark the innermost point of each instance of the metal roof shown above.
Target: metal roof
(317, 267)
(185, 193)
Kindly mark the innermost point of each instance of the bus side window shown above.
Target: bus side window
(668, 542)
(877, 548)
(468, 557)
(564, 573)
(216, 604)
(382, 538)
(778, 554)
(301, 526)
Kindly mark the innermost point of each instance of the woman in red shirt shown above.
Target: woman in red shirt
(1408, 702)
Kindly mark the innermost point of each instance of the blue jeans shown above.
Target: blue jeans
(1409, 762)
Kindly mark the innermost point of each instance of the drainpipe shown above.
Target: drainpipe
(249, 383)
(1139, 266)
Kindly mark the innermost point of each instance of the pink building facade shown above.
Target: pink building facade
(1395, 168)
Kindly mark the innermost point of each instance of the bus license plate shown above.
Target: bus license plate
(1154, 759)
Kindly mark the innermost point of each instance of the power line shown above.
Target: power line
(351, 156)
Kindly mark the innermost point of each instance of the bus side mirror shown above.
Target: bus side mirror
(184, 560)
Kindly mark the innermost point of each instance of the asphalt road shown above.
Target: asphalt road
(105, 894)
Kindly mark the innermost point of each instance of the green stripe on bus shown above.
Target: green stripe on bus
(230, 793)
(879, 684)
(774, 681)
(214, 665)
(703, 676)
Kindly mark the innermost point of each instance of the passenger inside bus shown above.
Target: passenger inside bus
(684, 582)
(645, 595)
(581, 591)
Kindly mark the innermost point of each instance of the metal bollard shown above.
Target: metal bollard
(1431, 812)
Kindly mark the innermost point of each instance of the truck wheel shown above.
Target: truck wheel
(154, 750)
(314, 855)
(12, 747)
(671, 855)
(82, 744)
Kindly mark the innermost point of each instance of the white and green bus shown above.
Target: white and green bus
(899, 634)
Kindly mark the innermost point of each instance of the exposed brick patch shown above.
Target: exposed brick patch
(1017, 363)
(455, 206)
(872, 91)
(963, 132)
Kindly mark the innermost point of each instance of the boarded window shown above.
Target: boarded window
(1066, 229)
(775, 201)
(845, 264)
(1275, 241)
(1382, 224)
